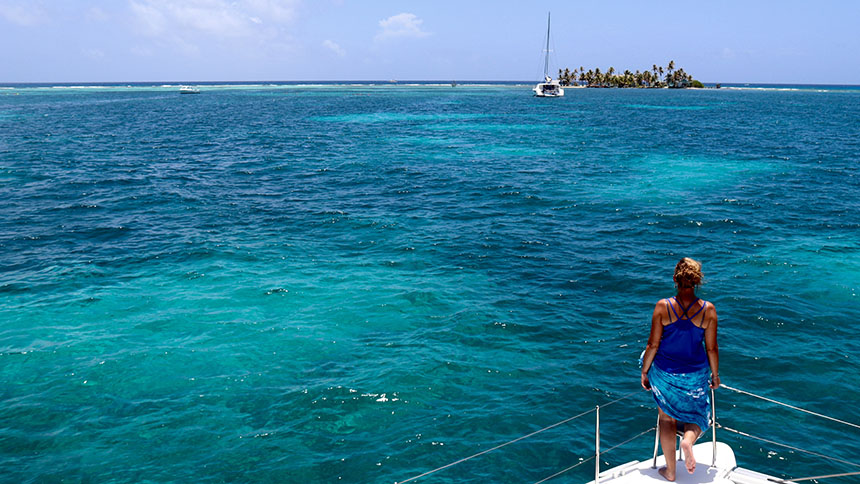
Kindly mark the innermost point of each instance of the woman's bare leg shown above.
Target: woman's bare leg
(668, 428)
(691, 434)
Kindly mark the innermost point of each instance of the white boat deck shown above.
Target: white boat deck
(725, 470)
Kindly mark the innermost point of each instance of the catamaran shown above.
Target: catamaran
(550, 87)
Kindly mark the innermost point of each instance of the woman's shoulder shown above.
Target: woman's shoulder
(707, 307)
(663, 305)
(710, 316)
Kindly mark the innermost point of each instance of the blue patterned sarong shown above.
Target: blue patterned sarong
(682, 396)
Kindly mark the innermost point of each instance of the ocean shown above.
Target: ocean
(360, 283)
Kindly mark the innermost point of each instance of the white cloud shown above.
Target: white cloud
(279, 11)
(332, 45)
(141, 51)
(24, 14)
(402, 25)
(214, 17)
(95, 54)
(96, 14)
(149, 18)
(185, 24)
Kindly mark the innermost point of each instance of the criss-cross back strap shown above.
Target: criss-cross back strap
(704, 303)
(686, 310)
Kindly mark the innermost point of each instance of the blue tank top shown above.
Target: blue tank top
(682, 348)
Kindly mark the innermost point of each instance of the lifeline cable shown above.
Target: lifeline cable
(790, 447)
(516, 440)
(794, 479)
(640, 434)
(496, 447)
(791, 406)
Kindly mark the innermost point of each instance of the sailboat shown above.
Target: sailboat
(550, 87)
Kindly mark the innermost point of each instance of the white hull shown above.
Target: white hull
(724, 471)
(548, 90)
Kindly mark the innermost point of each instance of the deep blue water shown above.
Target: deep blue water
(359, 284)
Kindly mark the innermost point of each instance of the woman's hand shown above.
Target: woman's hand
(645, 383)
(715, 381)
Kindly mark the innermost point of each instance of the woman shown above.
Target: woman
(676, 365)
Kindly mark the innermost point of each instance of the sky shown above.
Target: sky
(755, 41)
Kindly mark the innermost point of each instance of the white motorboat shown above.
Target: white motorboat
(189, 90)
(550, 87)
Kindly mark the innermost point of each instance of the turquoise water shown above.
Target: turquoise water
(362, 283)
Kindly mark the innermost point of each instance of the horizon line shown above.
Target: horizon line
(368, 81)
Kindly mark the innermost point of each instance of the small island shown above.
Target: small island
(656, 77)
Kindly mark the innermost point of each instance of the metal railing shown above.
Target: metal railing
(714, 425)
(596, 409)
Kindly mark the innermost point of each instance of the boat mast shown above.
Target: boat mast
(546, 60)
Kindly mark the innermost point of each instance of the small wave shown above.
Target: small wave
(84, 86)
(783, 89)
(740, 88)
(669, 108)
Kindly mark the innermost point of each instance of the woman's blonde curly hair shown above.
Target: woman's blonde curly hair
(688, 273)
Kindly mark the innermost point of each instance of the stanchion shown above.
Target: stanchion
(597, 444)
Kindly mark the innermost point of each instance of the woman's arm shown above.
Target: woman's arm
(653, 343)
(711, 345)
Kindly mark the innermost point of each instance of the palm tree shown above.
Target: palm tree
(653, 77)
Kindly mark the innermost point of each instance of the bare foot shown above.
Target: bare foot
(665, 473)
(689, 460)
